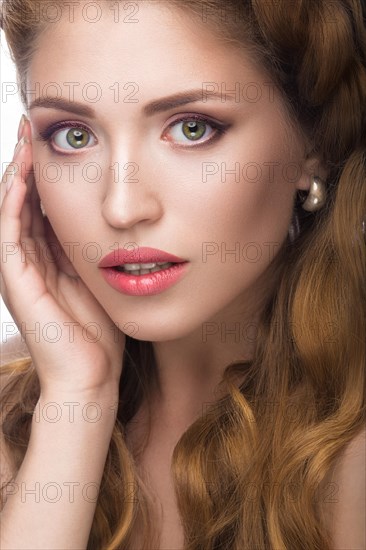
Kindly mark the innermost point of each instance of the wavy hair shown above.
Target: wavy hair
(247, 471)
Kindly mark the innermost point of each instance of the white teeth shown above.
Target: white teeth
(131, 267)
(143, 269)
(135, 267)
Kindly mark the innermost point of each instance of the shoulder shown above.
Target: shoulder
(344, 497)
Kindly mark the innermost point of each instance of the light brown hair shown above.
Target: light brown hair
(246, 473)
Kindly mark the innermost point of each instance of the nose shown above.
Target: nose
(129, 198)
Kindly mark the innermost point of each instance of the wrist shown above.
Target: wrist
(91, 408)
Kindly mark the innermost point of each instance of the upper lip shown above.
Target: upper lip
(139, 255)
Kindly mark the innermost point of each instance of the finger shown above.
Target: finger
(10, 224)
(20, 167)
(27, 130)
(7, 178)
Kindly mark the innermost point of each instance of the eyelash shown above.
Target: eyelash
(47, 134)
(220, 129)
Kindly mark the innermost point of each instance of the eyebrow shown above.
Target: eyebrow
(158, 106)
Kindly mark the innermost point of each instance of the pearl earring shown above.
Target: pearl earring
(317, 196)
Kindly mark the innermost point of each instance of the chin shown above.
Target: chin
(154, 331)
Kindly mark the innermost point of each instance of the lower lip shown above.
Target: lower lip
(144, 285)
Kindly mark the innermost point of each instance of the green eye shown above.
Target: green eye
(77, 138)
(194, 129)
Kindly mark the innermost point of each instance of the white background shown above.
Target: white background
(11, 110)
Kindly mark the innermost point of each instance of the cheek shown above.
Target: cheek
(262, 199)
(255, 222)
(67, 188)
(259, 189)
(252, 176)
(244, 200)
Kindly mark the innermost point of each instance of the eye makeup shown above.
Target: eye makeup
(48, 134)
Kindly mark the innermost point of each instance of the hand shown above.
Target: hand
(44, 293)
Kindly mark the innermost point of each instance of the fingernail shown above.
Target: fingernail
(20, 144)
(21, 126)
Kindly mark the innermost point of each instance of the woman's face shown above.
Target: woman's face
(211, 181)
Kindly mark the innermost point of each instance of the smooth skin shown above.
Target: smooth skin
(167, 204)
(172, 208)
(75, 414)
(43, 289)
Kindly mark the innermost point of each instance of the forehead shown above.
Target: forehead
(156, 47)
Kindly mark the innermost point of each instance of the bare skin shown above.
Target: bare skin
(171, 207)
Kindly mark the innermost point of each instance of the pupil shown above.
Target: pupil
(194, 130)
(77, 138)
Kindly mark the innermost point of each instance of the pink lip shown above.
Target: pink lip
(140, 255)
(144, 285)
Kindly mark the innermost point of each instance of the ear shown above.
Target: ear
(313, 166)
